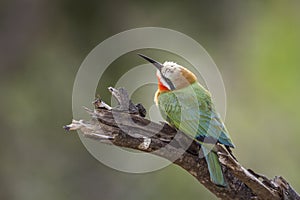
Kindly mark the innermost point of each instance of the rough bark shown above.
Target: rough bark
(124, 126)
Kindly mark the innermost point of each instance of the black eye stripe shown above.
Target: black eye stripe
(169, 82)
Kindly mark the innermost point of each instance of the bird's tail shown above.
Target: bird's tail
(214, 166)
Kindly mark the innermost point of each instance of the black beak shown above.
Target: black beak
(158, 65)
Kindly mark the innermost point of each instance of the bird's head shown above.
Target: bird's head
(170, 75)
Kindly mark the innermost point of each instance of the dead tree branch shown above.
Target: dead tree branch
(125, 126)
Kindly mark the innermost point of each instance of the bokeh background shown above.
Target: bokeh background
(255, 44)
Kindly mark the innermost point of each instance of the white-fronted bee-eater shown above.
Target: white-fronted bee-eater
(186, 105)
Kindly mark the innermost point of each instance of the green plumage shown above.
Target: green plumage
(191, 110)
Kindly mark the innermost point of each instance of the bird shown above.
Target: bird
(187, 106)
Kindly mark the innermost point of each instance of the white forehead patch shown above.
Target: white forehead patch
(170, 63)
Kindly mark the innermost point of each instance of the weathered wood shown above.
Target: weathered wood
(125, 126)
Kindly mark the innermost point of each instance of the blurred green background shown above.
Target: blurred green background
(255, 44)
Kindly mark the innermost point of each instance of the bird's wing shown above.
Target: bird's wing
(213, 126)
(194, 116)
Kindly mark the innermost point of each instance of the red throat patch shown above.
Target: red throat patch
(161, 86)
